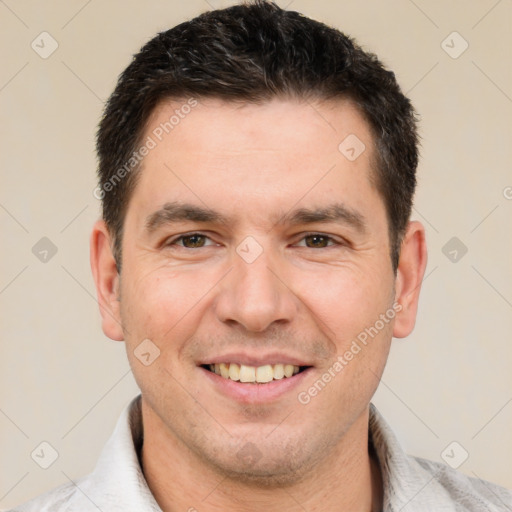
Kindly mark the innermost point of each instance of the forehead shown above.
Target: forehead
(282, 151)
(277, 125)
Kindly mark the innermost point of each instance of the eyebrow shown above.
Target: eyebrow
(337, 212)
(177, 211)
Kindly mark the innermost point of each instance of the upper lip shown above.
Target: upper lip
(256, 360)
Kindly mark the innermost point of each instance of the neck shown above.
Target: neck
(348, 479)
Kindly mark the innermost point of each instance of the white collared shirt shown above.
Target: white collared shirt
(411, 484)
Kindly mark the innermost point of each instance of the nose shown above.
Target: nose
(255, 296)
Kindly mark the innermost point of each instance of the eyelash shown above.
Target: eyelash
(181, 237)
(330, 240)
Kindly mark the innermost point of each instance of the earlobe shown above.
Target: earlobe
(106, 279)
(411, 269)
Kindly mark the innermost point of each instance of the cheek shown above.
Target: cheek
(349, 306)
(345, 300)
(163, 304)
(154, 308)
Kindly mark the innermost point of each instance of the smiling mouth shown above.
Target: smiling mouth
(254, 374)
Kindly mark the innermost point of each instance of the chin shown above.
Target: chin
(269, 467)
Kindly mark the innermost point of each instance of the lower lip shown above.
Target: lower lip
(250, 393)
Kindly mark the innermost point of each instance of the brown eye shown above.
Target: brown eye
(192, 241)
(317, 241)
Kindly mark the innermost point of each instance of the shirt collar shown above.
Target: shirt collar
(119, 466)
(407, 484)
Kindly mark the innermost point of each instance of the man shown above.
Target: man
(257, 170)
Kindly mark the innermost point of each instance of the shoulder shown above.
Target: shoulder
(468, 494)
(65, 498)
(116, 484)
(421, 485)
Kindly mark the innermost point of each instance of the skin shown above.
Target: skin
(308, 297)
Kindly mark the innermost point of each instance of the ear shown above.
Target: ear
(410, 272)
(106, 279)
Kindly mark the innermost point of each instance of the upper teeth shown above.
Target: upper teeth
(244, 373)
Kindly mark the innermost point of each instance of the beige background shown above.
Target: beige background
(63, 382)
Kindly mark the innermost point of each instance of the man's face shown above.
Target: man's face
(251, 239)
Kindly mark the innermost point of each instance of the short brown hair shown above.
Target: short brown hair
(253, 53)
